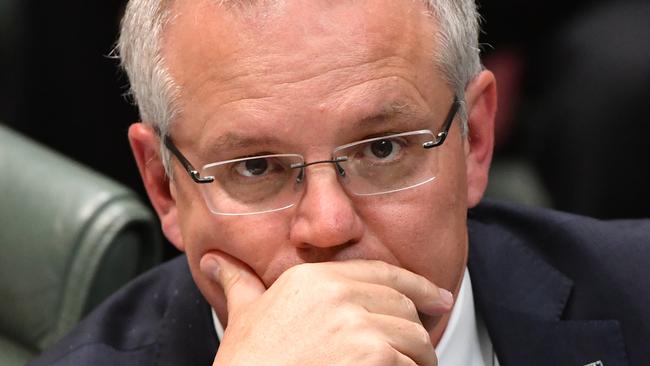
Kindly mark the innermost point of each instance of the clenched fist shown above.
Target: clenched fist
(356, 312)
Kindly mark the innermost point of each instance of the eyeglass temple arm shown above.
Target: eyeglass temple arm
(442, 135)
(196, 176)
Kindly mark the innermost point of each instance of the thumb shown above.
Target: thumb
(240, 284)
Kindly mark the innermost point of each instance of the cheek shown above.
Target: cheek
(424, 228)
(252, 239)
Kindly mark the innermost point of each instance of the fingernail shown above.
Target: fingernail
(446, 297)
(212, 268)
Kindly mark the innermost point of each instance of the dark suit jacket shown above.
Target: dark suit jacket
(552, 288)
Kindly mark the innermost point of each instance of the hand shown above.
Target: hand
(336, 313)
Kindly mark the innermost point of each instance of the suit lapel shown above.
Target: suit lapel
(522, 300)
(187, 336)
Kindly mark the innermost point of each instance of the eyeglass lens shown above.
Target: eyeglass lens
(372, 167)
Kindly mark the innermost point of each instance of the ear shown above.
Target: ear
(481, 99)
(145, 145)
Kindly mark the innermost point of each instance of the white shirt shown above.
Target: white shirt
(465, 341)
(217, 325)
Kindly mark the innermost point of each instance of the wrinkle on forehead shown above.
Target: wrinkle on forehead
(385, 112)
(253, 54)
(304, 26)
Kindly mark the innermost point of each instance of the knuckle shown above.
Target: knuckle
(357, 321)
(382, 353)
(231, 280)
(348, 321)
(408, 305)
(390, 273)
(299, 271)
(422, 336)
(427, 288)
(426, 292)
(336, 291)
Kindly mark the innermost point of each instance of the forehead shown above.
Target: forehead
(284, 26)
(247, 57)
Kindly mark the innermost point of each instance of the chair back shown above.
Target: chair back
(69, 237)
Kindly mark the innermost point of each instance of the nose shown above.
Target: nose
(325, 216)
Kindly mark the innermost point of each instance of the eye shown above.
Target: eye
(387, 149)
(253, 167)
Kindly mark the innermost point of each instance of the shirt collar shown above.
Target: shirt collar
(464, 342)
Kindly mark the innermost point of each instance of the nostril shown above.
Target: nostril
(310, 253)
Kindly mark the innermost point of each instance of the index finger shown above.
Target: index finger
(427, 297)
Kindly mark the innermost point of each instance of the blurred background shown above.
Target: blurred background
(574, 79)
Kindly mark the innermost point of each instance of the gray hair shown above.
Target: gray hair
(156, 94)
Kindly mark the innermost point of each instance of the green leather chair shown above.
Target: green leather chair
(69, 237)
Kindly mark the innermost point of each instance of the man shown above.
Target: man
(316, 161)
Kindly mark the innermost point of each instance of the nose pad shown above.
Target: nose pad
(337, 163)
(301, 175)
(340, 169)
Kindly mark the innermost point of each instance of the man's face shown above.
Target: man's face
(304, 78)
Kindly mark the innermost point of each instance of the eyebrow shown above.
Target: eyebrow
(233, 140)
(390, 112)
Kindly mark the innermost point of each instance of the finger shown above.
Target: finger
(402, 360)
(394, 359)
(408, 338)
(426, 296)
(385, 300)
(240, 284)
